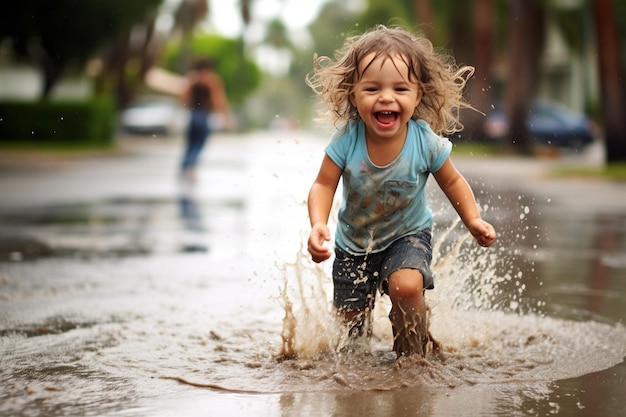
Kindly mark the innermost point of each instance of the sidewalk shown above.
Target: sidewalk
(237, 164)
(140, 167)
(533, 177)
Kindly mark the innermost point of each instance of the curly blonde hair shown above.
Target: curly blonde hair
(438, 77)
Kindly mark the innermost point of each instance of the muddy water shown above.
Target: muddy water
(181, 302)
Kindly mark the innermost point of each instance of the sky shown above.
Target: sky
(225, 19)
(296, 14)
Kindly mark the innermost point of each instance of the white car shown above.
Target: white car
(154, 115)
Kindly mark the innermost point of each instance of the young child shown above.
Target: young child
(391, 96)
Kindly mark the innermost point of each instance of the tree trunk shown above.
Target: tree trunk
(51, 75)
(613, 98)
(424, 17)
(122, 90)
(149, 48)
(50, 69)
(479, 86)
(527, 36)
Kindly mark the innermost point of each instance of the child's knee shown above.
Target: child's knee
(406, 283)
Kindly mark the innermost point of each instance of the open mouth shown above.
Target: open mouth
(386, 117)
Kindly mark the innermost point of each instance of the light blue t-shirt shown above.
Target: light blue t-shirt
(383, 203)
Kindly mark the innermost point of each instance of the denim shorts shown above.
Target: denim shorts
(356, 278)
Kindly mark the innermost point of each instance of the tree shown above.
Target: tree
(526, 39)
(424, 16)
(126, 60)
(57, 34)
(240, 77)
(472, 43)
(387, 13)
(187, 17)
(479, 86)
(330, 28)
(613, 97)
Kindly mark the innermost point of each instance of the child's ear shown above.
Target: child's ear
(352, 100)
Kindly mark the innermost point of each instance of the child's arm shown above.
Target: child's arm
(320, 202)
(460, 194)
(185, 94)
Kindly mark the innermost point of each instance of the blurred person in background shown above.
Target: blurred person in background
(204, 96)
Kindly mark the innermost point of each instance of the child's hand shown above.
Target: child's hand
(319, 235)
(483, 232)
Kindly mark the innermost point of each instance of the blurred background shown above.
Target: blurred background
(549, 73)
(114, 274)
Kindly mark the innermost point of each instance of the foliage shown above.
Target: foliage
(473, 148)
(64, 121)
(240, 74)
(56, 34)
(332, 25)
(613, 171)
(387, 13)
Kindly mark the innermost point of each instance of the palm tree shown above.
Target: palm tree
(186, 18)
(424, 17)
(479, 87)
(526, 40)
(613, 98)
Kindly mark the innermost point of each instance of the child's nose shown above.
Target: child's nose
(386, 95)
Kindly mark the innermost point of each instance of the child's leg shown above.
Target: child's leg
(355, 320)
(409, 315)
(354, 289)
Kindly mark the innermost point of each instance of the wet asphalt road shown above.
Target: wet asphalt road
(146, 167)
(248, 188)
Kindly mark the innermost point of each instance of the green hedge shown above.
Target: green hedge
(82, 122)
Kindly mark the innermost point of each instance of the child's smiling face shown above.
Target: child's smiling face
(385, 96)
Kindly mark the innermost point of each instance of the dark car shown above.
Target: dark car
(548, 124)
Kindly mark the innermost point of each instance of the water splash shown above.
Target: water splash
(489, 332)
(309, 325)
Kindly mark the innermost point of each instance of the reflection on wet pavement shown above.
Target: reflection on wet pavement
(172, 302)
(107, 228)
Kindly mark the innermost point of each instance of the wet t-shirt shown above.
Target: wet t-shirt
(383, 203)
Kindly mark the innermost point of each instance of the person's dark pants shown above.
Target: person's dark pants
(197, 133)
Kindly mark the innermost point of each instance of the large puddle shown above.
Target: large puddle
(150, 307)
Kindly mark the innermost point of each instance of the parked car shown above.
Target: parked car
(154, 115)
(547, 123)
